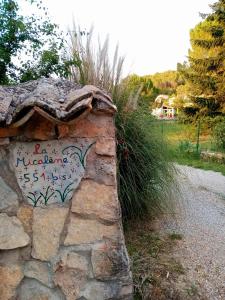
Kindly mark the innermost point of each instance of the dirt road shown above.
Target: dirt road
(200, 219)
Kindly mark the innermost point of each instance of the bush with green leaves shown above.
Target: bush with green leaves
(219, 134)
(30, 45)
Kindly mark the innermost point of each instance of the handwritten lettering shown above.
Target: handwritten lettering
(49, 172)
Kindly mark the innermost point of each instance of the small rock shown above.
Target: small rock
(4, 141)
(82, 231)
(10, 277)
(25, 215)
(48, 224)
(105, 146)
(74, 261)
(8, 198)
(101, 169)
(93, 126)
(39, 271)
(63, 130)
(39, 128)
(109, 260)
(70, 281)
(12, 234)
(97, 290)
(32, 289)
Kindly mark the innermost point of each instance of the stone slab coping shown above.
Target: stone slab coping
(58, 100)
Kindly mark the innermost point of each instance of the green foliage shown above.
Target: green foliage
(186, 147)
(141, 87)
(166, 82)
(145, 176)
(219, 134)
(204, 73)
(29, 45)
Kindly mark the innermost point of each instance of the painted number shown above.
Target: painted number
(26, 177)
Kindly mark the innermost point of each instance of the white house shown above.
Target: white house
(162, 110)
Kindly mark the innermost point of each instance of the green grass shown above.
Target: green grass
(155, 271)
(181, 142)
(175, 236)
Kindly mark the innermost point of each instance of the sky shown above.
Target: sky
(152, 34)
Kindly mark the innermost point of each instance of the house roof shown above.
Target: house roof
(56, 99)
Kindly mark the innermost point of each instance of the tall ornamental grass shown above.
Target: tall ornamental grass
(145, 176)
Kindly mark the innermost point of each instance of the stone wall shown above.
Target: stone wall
(60, 222)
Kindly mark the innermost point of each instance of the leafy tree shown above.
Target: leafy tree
(140, 87)
(166, 82)
(29, 45)
(204, 75)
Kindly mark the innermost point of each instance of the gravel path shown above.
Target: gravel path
(201, 221)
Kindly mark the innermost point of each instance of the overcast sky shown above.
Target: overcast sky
(152, 34)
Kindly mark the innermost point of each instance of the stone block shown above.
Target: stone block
(48, 224)
(126, 291)
(72, 260)
(70, 282)
(97, 290)
(25, 215)
(63, 131)
(9, 131)
(10, 277)
(31, 289)
(39, 128)
(81, 231)
(4, 141)
(93, 126)
(101, 168)
(12, 234)
(97, 200)
(8, 198)
(109, 261)
(40, 271)
(105, 146)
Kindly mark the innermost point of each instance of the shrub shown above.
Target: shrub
(219, 134)
(144, 174)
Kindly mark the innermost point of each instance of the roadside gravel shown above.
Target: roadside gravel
(200, 218)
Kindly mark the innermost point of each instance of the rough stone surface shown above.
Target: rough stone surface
(101, 168)
(4, 141)
(31, 289)
(63, 131)
(38, 128)
(8, 198)
(94, 126)
(39, 271)
(68, 259)
(98, 200)
(97, 290)
(25, 215)
(10, 277)
(56, 99)
(81, 231)
(109, 260)
(10, 256)
(126, 291)
(12, 234)
(47, 226)
(105, 146)
(70, 281)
